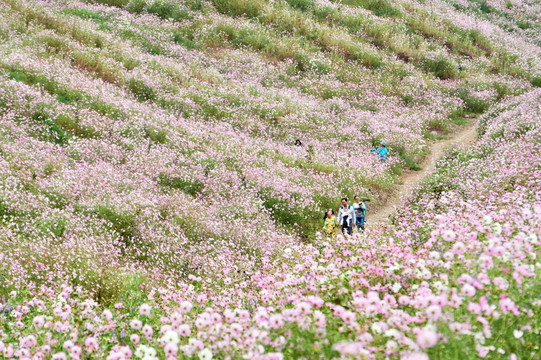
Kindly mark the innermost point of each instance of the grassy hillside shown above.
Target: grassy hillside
(153, 205)
(146, 126)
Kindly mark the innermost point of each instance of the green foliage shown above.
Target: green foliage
(124, 224)
(485, 8)
(407, 159)
(301, 4)
(503, 89)
(53, 131)
(473, 103)
(536, 81)
(367, 59)
(258, 40)
(117, 3)
(6, 211)
(382, 8)
(86, 14)
(141, 90)
(57, 227)
(167, 10)
(442, 68)
(437, 124)
(180, 39)
(63, 95)
(250, 8)
(188, 185)
(136, 6)
(504, 61)
(156, 135)
(306, 223)
(480, 40)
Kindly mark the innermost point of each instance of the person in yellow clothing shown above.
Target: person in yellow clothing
(331, 223)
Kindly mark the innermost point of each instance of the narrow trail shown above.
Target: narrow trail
(464, 136)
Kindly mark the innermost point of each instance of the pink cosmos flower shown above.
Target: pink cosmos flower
(107, 314)
(75, 351)
(30, 341)
(276, 321)
(60, 356)
(468, 290)
(433, 312)
(415, 356)
(176, 318)
(448, 235)
(68, 345)
(7, 351)
(147, 330)
(184, 330)
(185, 307)
(136, 324)
(170, 349)
(427, 338)
(459, 248)
(126, 352)
(404, 300)
(91, 344)
(145, 309)
(38, 322)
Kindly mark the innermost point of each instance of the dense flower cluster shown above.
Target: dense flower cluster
(455, 273)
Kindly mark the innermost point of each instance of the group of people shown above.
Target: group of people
(348, 216)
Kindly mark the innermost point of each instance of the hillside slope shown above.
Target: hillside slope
(151, 136)
(152, 204)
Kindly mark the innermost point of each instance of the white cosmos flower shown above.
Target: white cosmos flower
(170, 337)
(150, 352)
(396, 287)
(141, 351)
(205, 354)
(376, 328)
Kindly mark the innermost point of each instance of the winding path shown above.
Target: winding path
(464, 136)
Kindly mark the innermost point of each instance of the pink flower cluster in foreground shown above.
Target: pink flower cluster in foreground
(456, 272)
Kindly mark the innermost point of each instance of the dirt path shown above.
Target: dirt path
(465, 135)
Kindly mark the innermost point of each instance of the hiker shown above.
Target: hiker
(298, 143)
(331, 223)
(346, 216)
(360, 212)
(382, 151)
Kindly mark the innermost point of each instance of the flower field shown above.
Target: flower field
(152, 204)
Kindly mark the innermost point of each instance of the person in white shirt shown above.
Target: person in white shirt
(346, 216)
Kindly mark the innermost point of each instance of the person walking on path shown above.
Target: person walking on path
(331, 223)
(360, 212)
(381, 151)
(346, 216)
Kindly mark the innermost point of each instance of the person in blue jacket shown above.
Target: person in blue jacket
(382, 152)
(360, 212)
